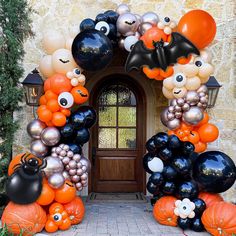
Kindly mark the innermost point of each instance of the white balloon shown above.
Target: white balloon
(156, 165)
(129, 42)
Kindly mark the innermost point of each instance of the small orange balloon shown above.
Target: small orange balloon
(47, 85)
(80, 94)
(184, 60)
(151, 73)
(50, 95)
(58, 119)
(65, 111)
(53, 105)
(193, 137)
(49, 124)
(47, 195)
(167, 73)
(200, 147)
(198, 26)
(60, 83)
(203, 121)
(41, 107)
(45, 115)
(43, 100)
(208, 133)
(66, 193)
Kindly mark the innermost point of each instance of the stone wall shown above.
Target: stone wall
(65, 16)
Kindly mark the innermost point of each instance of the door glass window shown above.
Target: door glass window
(117, 118)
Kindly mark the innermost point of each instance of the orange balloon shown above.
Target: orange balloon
(50, 95)
(193, 137)
(200, 147)
(60, 83)
(154, 34)
(65, 111)
(66, 193)
(47, 85)
(41, 107)
(184, 126)
(171, 132)
(49, 124)
(167, 73)
(198, 26)
(43, 100)
(80, 94)
(151, 73)
(47, 195)
(208, 133)
(203, 121)
(53, 105)
(58, 119)
(184, 60)
(45, 115)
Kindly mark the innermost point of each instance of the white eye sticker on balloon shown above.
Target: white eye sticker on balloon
(198, 62)
(103, 27)
(76, 72)
(179, 80)
(57, 217)
(129, 42)
(65, 100)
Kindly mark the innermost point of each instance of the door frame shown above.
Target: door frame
(96, 81)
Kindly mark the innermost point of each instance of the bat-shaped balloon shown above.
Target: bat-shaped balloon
(162, 56)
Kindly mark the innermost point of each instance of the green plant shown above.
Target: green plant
(4, 231)
(14, 29)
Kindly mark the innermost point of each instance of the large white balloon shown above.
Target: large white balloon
(156, 165)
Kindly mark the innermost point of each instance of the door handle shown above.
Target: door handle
(94, 151)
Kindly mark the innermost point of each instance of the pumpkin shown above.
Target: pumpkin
(210, 198)
(75, 210)
(163, 211)
(219, 219)
(47, 194)
(29, 219)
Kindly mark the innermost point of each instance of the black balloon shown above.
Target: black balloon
(184, 223)
(154, 199)
(87, 24)
(90, 115)
(101, 17)
(67, 132)
(76, 149)
(151, 146)
(196, 225)
(4, 199)
(187, 148)
(112, 16)
(160, 139)
(152, 188)
(169, 173)
(168, 188)
(165, 154)
(174, 142)
(78, 119)
(187, 189)
(200, 206)
(156, 178)
(82, 136)
(92, 50)
(182, 165)
(214, 171)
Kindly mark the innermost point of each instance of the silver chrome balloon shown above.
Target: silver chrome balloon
(50, 136)
(66, 175)
(150, 17)
(122, 8)
(38, 148)
(164, 118)
(203, 88)
(127, 24)
(35, 128)
(173, 124)
(193, 116)
(86, 162)
(192, 98)
(143, 27)
(54, 165)
(56, 180)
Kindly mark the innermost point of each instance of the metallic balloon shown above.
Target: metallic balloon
(66, 175)
(50, 136)
(72, 172)
(58, 150)
(75, 178)
(139, 18)
(121, 43)
(77, 157)
(38, 148)
(72, 164)
(173, 124)
(127, 24)
(137, 35)
(79, 165)
(84, 169)
(78, 185)
(84, 176)
(186, 107)
(35, 128)
(192, 98)
(66, 160)
(122, 8)
(170, 116)
(56, 180)
(193, 116)
(164, 118)
(66, 148)
(143, 27)
(180, 102)
(79, 172)
(173, 102)
(203, 88)
(178, 115)
(171, 108)
(151, 17)
(178, 108)
(54, 165)
(70, 154)
(63, 153)
(86, 162)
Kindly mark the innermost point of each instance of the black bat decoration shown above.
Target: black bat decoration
(162, 56)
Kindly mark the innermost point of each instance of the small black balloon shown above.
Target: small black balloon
(76, 149)
(92, 50)
(169, 173)
(90, 115)
(187, 148)
(187, 189)
(87, 24)
(78, 119)
(168, 188)
(101, 17)
(82, 136)
(200, 206)
(182, 165)
(151, 146)
(184, 223)
(197, 225)
(67, 132)
(174, 142)
(161, 139)
(152, 188)
(165, 154)
(214, 171)
(156, 178)
(112, 16)
(154, 199)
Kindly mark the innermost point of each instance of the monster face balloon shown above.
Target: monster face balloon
(127, 24)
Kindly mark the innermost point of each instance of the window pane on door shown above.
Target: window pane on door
(126, 96)
(127, 116)
(109, 96)
(107, 116)
(126, 138)
(107, 138)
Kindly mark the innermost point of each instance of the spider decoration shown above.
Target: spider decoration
(24, 186)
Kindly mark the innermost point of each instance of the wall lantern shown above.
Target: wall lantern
(213, 90)
(33, 86)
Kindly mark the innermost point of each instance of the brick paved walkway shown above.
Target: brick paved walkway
(110, 219)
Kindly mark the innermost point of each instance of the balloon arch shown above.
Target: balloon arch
(185, 181)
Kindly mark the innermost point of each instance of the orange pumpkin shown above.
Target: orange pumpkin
(66, 193)
(219, 219)
(30, 218)
(163, 211)
(47, 195)
(75, 210)
(210, 198)
(80, 94)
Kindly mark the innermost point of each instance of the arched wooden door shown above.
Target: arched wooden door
(118, 139)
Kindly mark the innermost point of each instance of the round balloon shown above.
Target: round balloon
(199, 27)
(214, 171)
(50, 136)
(35, 128)
(92, 50)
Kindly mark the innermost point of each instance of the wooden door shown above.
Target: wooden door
(118, 138)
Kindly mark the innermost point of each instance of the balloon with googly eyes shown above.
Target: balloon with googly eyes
(167, 25)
